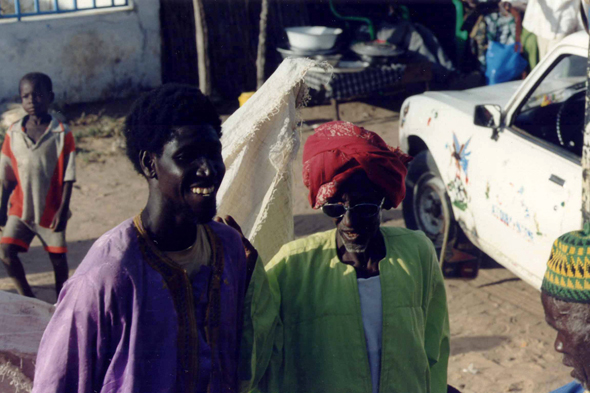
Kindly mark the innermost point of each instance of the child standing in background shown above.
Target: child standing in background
(37, 170)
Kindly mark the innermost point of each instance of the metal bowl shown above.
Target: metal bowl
(328, 56)
(330, 59)
(377, 53)
(378, 49)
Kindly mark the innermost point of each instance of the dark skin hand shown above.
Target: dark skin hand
(251, 252)
(61, 217)
(7, 188)
(471, 3)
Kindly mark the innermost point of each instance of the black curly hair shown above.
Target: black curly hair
(37, 78)
(156, 115)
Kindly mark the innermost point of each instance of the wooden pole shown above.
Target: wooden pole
(202, 47)
(586, 149)
(261, 54)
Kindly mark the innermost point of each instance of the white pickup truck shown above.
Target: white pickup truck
(502, 162)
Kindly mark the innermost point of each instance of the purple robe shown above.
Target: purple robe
(129, 320)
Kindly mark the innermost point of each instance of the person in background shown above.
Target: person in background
(37, 169)
(585, 4)
(551, 21)
(526, 39)
(500, 22)
(363, 307)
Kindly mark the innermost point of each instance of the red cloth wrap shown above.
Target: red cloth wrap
(339, 149)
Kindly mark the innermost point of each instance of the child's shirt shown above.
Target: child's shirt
(39, 169)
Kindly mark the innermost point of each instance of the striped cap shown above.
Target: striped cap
(568, 270)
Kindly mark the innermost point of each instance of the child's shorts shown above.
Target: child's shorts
(19, 233)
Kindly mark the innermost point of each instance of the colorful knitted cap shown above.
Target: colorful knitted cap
(568, 271)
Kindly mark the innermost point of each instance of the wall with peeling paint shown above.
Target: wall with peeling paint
(90, 56)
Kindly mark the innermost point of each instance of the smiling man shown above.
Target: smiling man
(156, 305)
(363, 306)
(565, 294)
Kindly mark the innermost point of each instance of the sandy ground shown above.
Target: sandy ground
(500, 342)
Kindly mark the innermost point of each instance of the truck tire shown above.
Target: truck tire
(427, 206)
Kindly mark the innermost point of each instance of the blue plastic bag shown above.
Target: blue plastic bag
(503, 63)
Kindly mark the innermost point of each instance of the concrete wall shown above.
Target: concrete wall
(90, 55)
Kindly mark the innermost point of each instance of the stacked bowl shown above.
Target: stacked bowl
(315, 42)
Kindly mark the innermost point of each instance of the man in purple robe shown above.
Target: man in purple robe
(157, 304)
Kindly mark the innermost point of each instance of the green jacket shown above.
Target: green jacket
(322, 346)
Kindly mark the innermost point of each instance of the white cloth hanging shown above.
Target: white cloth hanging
(260, 141)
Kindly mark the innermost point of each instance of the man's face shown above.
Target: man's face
(35, 98)
(571, 321)
(353, 231)
(190, 170)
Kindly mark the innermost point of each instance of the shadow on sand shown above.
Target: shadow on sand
(461, 345)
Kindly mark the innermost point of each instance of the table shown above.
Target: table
(346, 85)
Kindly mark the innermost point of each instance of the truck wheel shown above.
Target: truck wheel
(427, 206)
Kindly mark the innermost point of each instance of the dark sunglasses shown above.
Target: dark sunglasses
(363, 210)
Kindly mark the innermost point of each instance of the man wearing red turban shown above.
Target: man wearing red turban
(340, 149)
(363, 306)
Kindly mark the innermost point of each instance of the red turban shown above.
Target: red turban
(339, 149)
